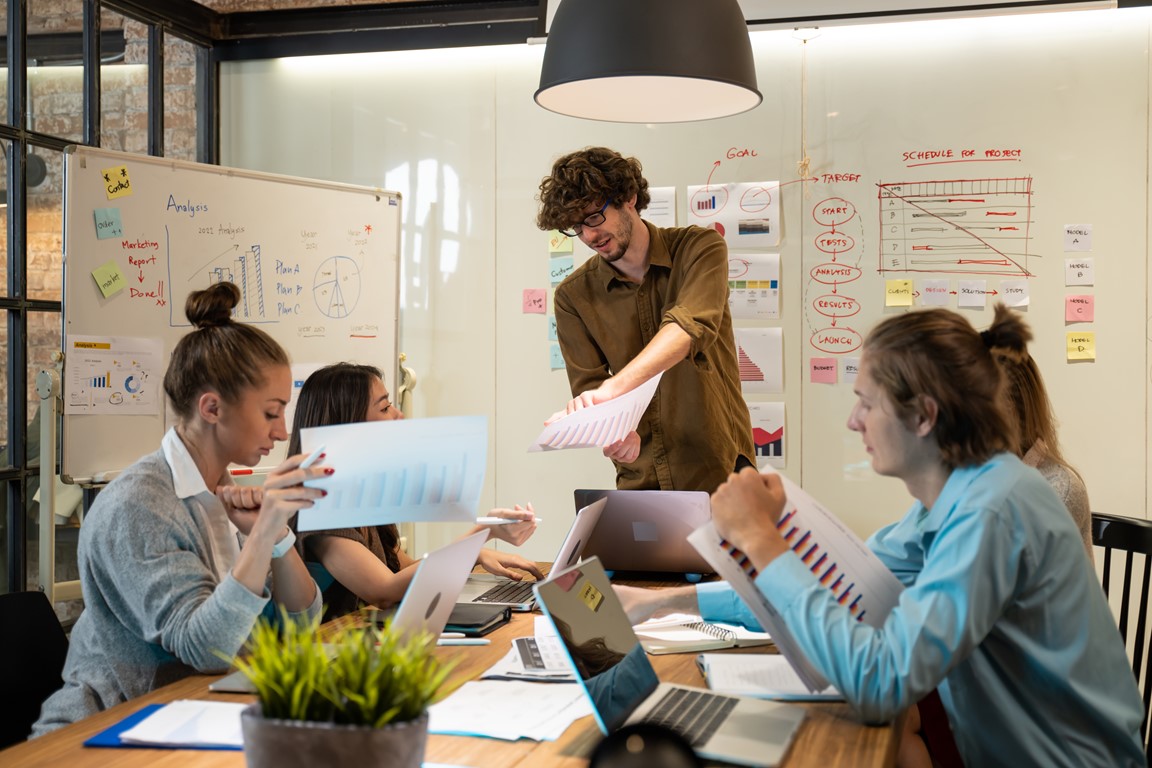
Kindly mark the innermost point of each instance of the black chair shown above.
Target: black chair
(33, 646)
(1124, 538)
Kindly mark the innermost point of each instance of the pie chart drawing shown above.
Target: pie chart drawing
(336, 287)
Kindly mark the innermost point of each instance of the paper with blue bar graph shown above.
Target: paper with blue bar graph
(837, 556)
(422, 470)
(600, 425)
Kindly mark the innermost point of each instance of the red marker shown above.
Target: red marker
(240, 472)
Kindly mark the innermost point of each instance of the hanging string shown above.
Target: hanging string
(803, 167)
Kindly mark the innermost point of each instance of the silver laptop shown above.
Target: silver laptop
(622, 687)
(427, 603)
(498, 590)
(648, 530)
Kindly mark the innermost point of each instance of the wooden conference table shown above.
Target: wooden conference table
(829, 736)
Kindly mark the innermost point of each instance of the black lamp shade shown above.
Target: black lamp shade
(648, 61)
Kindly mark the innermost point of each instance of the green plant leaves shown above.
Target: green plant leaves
(363, 676)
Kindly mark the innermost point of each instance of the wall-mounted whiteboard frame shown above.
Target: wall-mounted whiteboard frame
(317, 263)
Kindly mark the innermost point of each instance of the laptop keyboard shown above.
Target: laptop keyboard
(507, 592)
(695, 715)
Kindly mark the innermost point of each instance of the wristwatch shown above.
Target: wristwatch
(280, 548)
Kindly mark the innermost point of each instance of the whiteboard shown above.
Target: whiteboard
(1059, 101)
(317, 264)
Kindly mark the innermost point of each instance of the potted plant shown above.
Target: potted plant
(363, 694)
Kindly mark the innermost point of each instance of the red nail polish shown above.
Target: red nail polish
(323, 493)
(329, 470)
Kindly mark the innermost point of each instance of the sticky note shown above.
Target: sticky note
(851, 369)
(822, 370)
(116, 182)
(1079, 309)
(558, 242)
(107, 223)
(535, 301)
(561, 267)
(591, 596)
(972, 293)
(934, 293)
(1082, 345)
(1077, 237)
(1015, 293)
(1080, 271)
(897, 293)
(552, 328)
(557, 357)
(109, 278)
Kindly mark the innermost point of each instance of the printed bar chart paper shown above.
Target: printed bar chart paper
(598, 425)
(422, 470)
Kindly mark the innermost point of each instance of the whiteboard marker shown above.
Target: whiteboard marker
(236, 472)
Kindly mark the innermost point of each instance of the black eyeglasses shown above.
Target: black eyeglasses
(592, 220)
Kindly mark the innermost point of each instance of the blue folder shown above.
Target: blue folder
(110, 737)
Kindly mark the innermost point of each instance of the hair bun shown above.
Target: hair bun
(213, 305)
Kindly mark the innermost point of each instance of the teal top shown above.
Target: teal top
(1002, 612)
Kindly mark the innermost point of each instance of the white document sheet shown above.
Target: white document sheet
(761, 675)
(421, 470)
(600, 425)
(483, 707)
(190, 723)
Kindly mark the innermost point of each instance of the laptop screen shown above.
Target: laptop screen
(608, 658)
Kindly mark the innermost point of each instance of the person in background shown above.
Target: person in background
(367, 564)
(175, 567)
(1038, 443)
(655, 301)
(1001, 613)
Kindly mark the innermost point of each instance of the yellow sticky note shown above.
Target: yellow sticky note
(558, 242)
(109, 278)
(591, 596)
(897, 293)
(1082, 345)
(116, 181)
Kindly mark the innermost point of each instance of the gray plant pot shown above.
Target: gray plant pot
(270, 743)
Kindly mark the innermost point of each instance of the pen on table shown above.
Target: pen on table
(446, 635)
(463, 641)
(502, 520)
(312, 457)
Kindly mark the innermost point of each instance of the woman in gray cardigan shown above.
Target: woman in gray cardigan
(176, 562)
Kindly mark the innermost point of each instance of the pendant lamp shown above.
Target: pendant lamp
(648, 61)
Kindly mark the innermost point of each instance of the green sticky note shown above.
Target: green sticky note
(107, 223)
(557, 357)
(109, 278)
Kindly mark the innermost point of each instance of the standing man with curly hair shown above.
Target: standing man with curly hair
(655, 301)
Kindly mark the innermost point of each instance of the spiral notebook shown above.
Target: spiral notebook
(685, 633)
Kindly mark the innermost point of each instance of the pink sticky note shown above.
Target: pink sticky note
(823, 370)
(535, 301)
(1079, 309)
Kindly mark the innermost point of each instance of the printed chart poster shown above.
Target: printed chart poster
(754, 285)
(760, 354)
(768, 433)
(748, 215)
(113, 375)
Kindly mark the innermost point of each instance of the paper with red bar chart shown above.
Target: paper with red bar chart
(598, 425)
(836, 555)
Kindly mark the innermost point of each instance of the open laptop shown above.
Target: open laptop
(427, 603)
(498, 590)
(622, 687)
(648, 530)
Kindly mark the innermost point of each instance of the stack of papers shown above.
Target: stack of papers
(541, 659)
(761, 675)
(481, 707)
